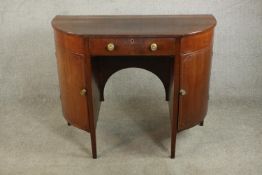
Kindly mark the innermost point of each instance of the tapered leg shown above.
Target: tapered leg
(174, 103)
(93, 144)
(173, 143)
(201, 123)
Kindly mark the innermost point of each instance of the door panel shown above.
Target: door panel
(71, 71)
(195, 73)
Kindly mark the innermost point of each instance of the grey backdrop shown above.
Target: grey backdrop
(30, 111)
(28, 66)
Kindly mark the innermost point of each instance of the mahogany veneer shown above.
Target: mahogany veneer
(178, 49)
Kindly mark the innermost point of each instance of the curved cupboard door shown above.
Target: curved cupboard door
(72, 80)
(194, 86)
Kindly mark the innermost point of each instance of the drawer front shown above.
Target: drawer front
(197, 42)
(132, 46)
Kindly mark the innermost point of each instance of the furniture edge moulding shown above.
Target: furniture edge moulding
(62, 23)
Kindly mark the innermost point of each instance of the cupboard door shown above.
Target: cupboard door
(194, 86)
(72, 80)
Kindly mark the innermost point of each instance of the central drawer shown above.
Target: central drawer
(132, 46)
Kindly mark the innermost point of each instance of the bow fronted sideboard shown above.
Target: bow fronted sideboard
(177, 49)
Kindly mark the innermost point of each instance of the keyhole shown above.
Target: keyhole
(132, 41)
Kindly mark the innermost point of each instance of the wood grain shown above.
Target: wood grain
(134, 25)
(182, 61)
(132, 46)
(194, 79)
(72, 79)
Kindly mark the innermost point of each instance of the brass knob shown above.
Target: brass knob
(83, 92)
(110, 47)
(182, 92)
(153, 47)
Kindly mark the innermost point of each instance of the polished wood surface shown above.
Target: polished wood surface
(181, 60)
(72, 43)
(196, 42)
(152, 25)
(194, 79)
(72, 77)
(132, 46)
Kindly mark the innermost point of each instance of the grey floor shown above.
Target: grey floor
(133, 128)
(133, 138)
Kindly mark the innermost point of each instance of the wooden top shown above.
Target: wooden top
(138, 25)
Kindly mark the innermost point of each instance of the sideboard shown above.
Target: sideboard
(176, 48)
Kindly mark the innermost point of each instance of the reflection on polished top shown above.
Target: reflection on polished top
(163, 25)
